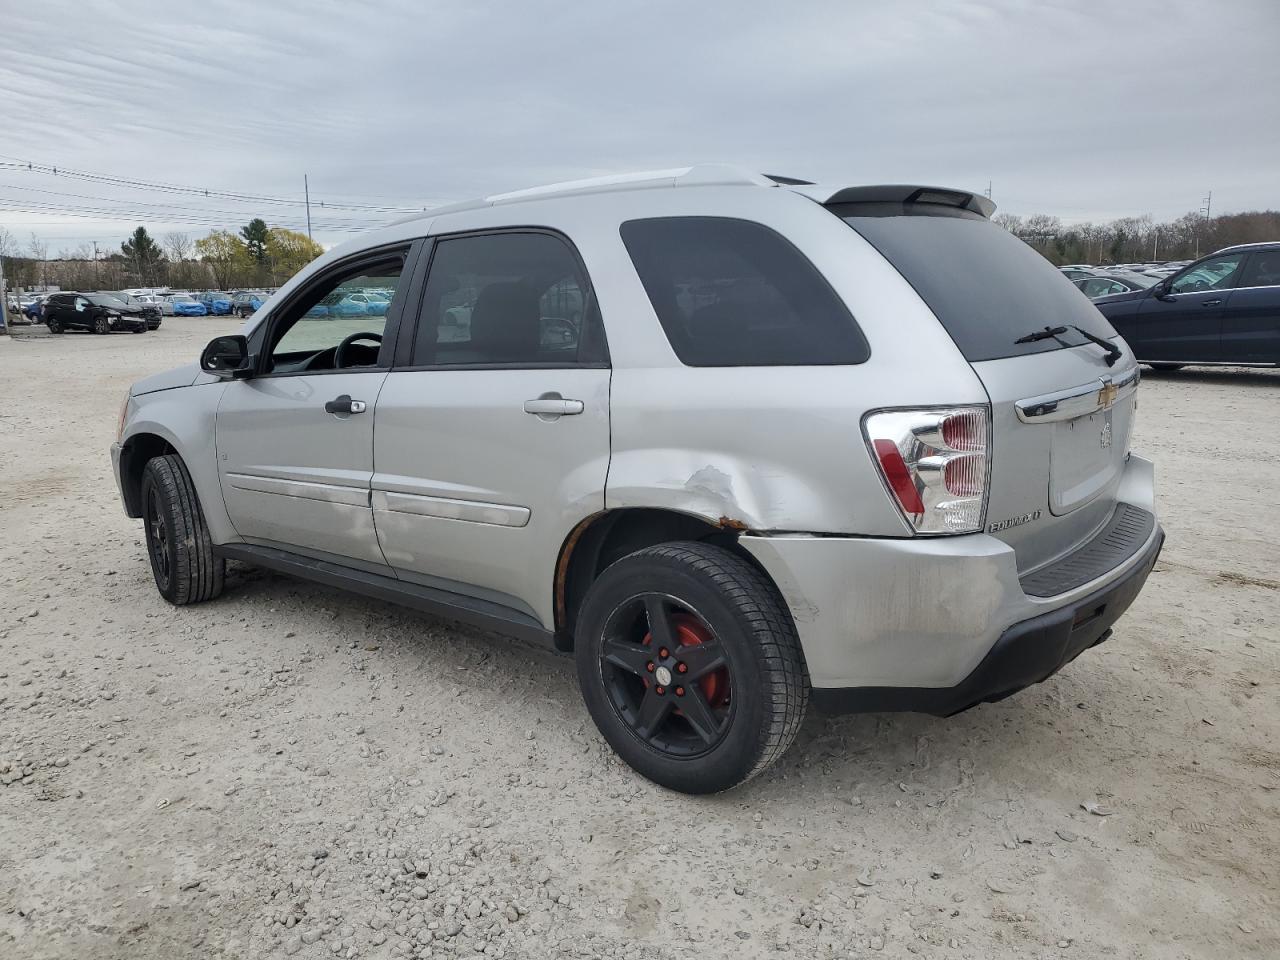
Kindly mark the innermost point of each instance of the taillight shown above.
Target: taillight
(934, 463)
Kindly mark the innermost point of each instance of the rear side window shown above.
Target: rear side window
(507, 298)
(986, 287)
(733, 293)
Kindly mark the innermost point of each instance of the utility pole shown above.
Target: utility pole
(306, 189)
(1206, 209)
(95, 264)
(988, 189)
(1155, 245)
(4, 300)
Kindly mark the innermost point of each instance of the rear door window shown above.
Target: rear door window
(985, 286)
(732, 293)
(512, 299)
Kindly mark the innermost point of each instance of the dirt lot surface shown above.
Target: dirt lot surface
(290, 771)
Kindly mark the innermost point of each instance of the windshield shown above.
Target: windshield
(182, 299)
(1140, 280)
(105, 300)
(985, 286)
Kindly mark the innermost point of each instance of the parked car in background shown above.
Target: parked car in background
(183, 305)
(149, 304)
(1107, 282)
(371, 304)
(26, 308)
(850, 444)
(1222, 309)
(247, 302)
(217, 304)
(96, 312)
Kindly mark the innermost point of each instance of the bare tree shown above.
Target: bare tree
(39, 253)
(8, 247)
(177, 248)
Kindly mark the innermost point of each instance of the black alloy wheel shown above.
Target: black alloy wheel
(667, 675)
(690, 665)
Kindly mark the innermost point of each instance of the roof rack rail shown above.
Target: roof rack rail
(700, 175)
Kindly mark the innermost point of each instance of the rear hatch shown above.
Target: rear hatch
(1061, 414)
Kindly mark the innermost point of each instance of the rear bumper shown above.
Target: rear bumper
(940, 623)
(1026, 653)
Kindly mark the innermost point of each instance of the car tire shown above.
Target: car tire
(101, 325)
(178, 543)
(1165, 367)
(745, 688)
(55, 326)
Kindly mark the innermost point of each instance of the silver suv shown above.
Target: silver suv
(737, 442)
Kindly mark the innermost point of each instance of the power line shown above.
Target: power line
(148, 203)
(126, 216)
(30, 166)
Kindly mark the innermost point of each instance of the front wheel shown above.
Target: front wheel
(690, 666)
(55, 326)
(101, 325)
(178, 542)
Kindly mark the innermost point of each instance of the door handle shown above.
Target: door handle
(1210, 303)
(344, 404)
(549, 406)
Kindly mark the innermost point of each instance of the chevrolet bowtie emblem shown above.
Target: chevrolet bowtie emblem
(1107, 396)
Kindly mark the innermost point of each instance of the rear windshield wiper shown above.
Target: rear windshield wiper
(1113, 352)
(1044, 334)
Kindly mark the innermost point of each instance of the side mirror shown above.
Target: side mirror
(1161, 290)
(228, 358)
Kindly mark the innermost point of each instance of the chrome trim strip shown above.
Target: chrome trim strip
(473, 511)
(1080, 401)
(303, 489)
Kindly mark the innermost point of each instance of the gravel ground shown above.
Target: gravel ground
(290, 771)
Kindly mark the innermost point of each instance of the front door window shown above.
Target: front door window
(1217, 273)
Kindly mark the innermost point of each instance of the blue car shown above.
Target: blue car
(182, 305)
(371, 304)
(218, 304)
(337, 305)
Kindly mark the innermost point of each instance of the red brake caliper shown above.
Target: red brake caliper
(690, 631)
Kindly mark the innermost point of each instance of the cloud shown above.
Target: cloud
(1073, 109)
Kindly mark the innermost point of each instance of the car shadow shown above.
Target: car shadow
(849, 759)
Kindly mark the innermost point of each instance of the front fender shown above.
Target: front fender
(185, 419)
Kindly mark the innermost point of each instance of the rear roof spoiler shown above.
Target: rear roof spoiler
(899, 193)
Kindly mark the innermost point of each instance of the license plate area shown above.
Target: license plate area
(1086, 457)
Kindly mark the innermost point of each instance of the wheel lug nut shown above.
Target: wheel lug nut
(660, 690)
(682, 668)
(649, 666)
(679, 691)
(663, 652)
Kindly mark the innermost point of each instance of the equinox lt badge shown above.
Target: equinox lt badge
(1013, 522)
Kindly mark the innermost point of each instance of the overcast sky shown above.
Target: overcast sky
(1080, 109)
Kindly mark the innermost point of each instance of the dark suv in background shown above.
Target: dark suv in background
(96, 312)
(1222, 309)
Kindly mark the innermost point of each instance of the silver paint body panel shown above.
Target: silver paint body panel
(447, 481)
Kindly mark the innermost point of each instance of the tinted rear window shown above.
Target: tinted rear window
(733, 293)
(984, 285)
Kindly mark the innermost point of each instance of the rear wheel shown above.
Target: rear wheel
(690, 666)
(178, 543)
